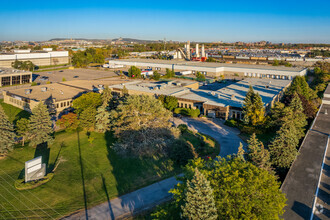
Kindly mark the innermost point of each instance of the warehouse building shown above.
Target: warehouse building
(222, 100)
(40, 58)
(225, 102)
(216, 69)
(9, 77)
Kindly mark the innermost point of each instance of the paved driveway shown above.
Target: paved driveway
(226, 136)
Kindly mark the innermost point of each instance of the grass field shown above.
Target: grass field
(13, 113)
(87, 175)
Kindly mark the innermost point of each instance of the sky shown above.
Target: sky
(289, 21)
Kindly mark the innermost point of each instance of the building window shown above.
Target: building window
(5, 81)
(26, 78)
(57, 105)
(61, 104)
(16, 80)
(185, 105)
(68, 103)
(190, 106)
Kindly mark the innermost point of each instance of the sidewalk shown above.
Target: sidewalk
(127, 205)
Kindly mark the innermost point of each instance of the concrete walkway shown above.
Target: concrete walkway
(147, 197)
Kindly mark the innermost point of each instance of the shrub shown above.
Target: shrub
(20, 184)
(34, 84)
(187, 112)
(183, 128)
(177, 110)
(181, 151)
(231, 123)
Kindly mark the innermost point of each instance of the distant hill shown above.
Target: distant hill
(126, 40)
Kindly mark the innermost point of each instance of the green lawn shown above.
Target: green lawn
(14, 113)
(90, 174)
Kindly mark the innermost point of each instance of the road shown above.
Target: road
(147, 197)
(226, 136)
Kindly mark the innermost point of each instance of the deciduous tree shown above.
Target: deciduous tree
(134, 72)
(142, 125)
(22, 128)
(241, 190)
(88, 100)
(69, 122)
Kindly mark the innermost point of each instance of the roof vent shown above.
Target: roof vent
(61, 92)
(43, 89)
(232, 97)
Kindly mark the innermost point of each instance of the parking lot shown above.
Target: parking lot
(76, 74)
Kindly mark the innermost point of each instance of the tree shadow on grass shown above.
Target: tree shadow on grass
(43, 151)
(132, 173)
(82, 174)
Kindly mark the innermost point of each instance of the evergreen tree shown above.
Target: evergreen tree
(40, 125)
(300, 86)
(106, 96)
(102, 119)
(7, 135)
(283, 149)
(124, 91)
(87, 118)
(257, 154)
(295, 114)
(247, 108)
(241, 152)
(198, 199)
(22, 128)
(253, 108)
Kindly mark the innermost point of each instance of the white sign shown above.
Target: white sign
(33, 164)
(34, 169)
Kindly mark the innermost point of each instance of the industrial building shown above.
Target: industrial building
(39, 58)
(217, 69)
(221, 100)
(9, 77)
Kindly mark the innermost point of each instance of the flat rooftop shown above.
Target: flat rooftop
(301, 181)
(210, 64)
(63, 90)
(9, 71)
(232, 94)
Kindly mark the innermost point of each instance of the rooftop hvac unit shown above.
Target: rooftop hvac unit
(43, 89)
(178, 84)
(61, 92)
(219, 96)
(28, 91)
(232, 97)
(169, 83)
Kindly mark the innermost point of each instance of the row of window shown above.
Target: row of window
(16, 101)
(63, 104)
(5, 81)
